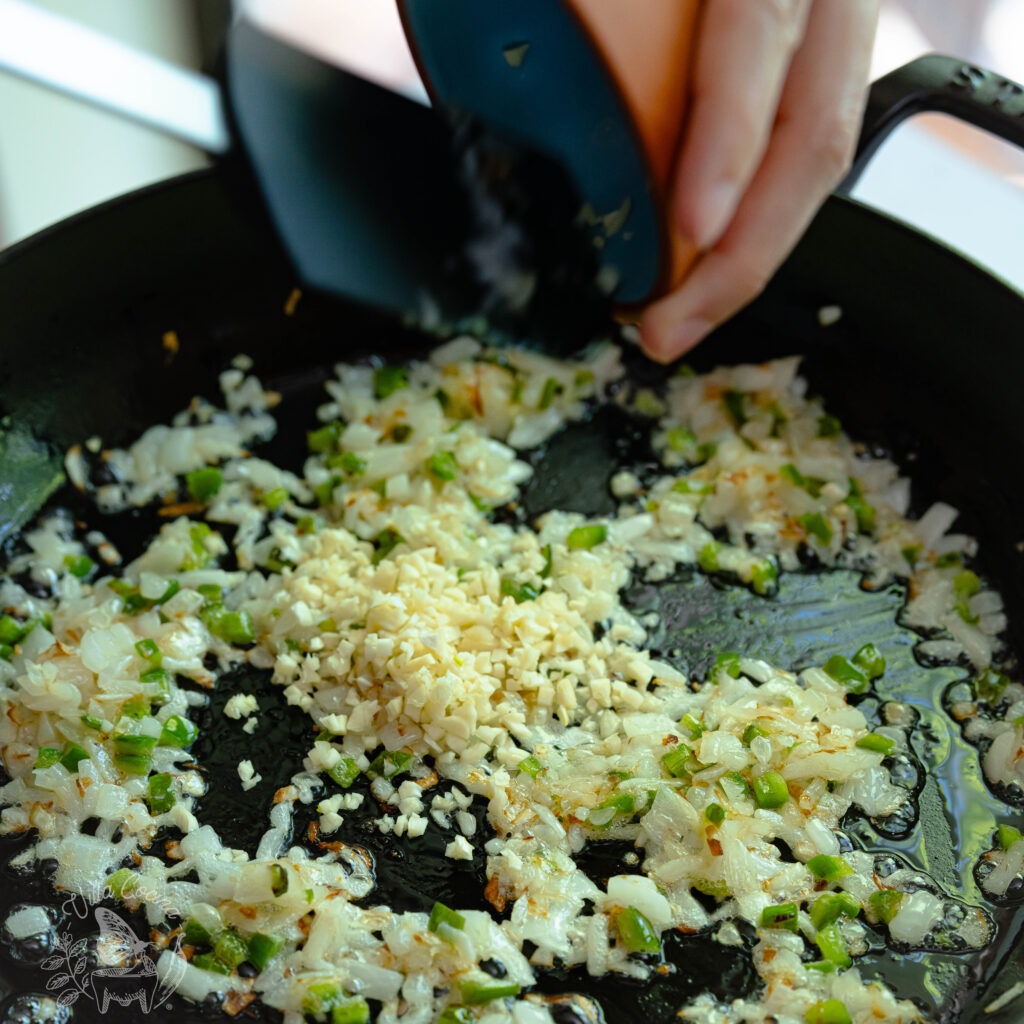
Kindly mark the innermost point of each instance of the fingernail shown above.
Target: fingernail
(715, 213)
(689, 333)
(679, 339)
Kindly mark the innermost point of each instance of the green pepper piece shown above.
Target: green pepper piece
(235, 627)
(324, 494)
(545, 571)
(790, 473)
(133, 764)
(134, 745)
(47, 757)
(324, 438)
(11, 630)
(161, 679)
(136, 707)
(715, 813)
(230, 948)
(389, 379)
(824, 966)
(911, 553)
(149, 651)
(708, 556)
(320, 998)
(208, 962)
(730, 662)
(211, 593)
(636, 933)
(121, 882)
(763, 577)
(278, 879)
(274, 498)
(746, 793)
(200, 556)
(735, 406)
(203, 484)
(344, 773)
(178, 732)
(965, 585)
(552, 388)
(443, 465)
(785, 915)
(161, 793)
(276, 562)
(770, 790)
(172, 588)
(79, 565)
(583, 538)
(990, 685)
(390, 764)
(829, 426)
(456, 1015)
(877, 744)
(829, 868)
(442, 915)
(830, 905)
(354, 1011)
(751, 733)
(384, 543)
(196, 934)
(689, 487)
(833, 946)
(72, 755)
(476, 992)
(817, 526)
(870, 661)
(676, 760)
(620, 803)
(842, 670)
(519, 592)
(262, 947)
(828, 1011)
(692, 726)
(680, 439)
(885, 904)
(864, 513)
(1006, 835)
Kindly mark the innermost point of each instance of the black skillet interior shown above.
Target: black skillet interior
(924, 363)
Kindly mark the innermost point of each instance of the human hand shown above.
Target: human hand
(778, 95)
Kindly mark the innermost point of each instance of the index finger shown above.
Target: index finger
(743, 51)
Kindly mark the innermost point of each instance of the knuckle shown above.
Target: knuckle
(786, 18)
(832, 144)
(749, 277)
(748, 130)
(783, 11)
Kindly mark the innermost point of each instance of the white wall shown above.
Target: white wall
(58, 156)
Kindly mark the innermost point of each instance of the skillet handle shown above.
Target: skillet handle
(939, 84)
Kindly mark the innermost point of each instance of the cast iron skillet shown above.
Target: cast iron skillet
(925, 364)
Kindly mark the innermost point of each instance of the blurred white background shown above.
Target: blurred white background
(58, 157)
